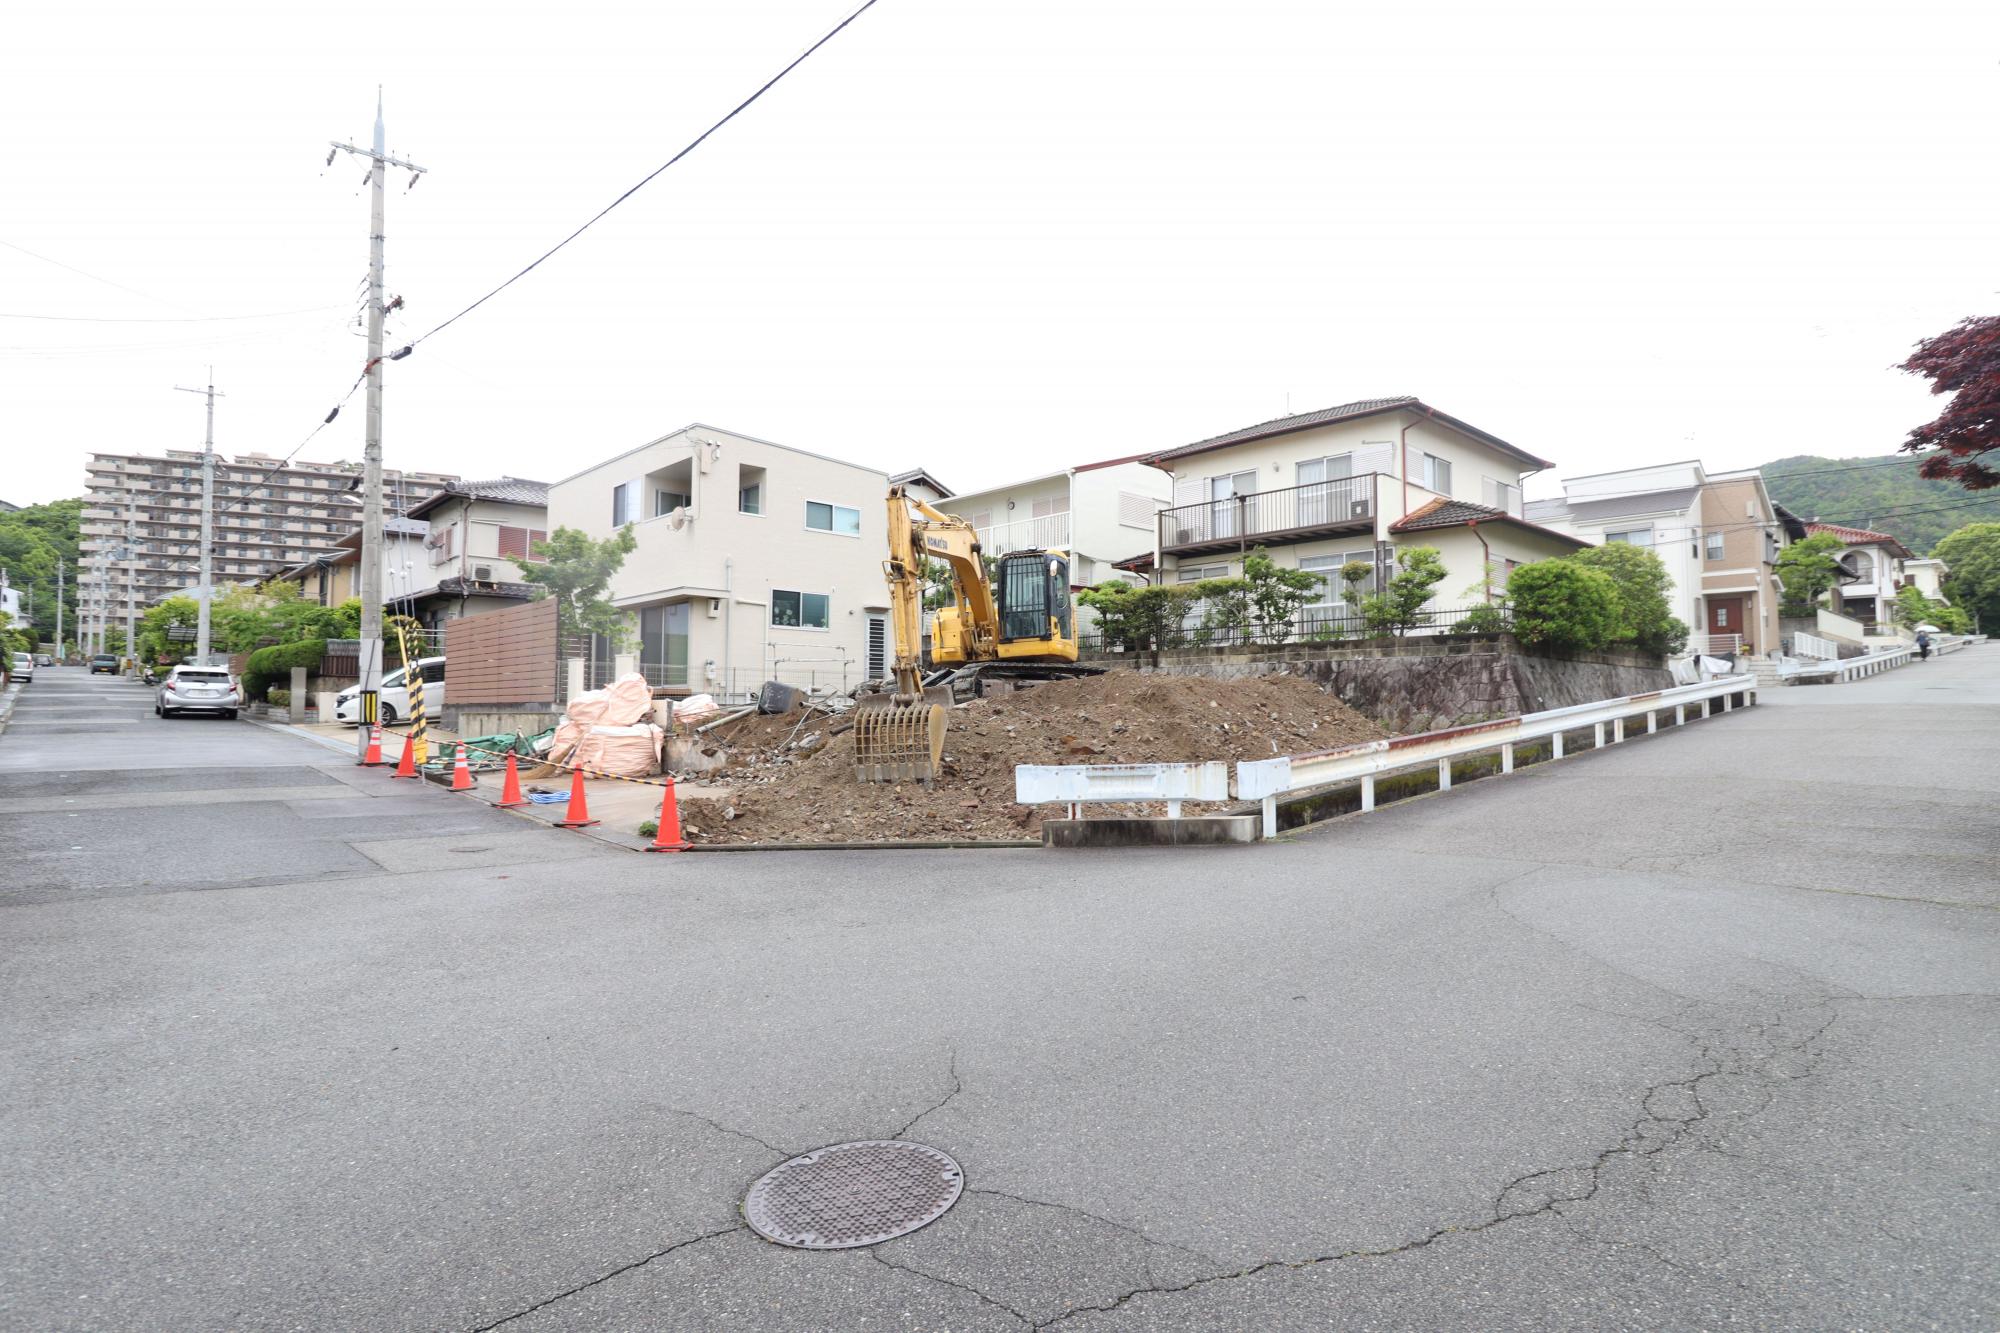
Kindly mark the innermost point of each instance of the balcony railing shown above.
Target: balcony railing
(1346, 504)
(1026, 534)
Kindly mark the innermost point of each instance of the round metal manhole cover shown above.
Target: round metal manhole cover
(853, 1194)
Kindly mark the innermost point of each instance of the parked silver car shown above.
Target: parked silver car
(198, 689)
(23, 668)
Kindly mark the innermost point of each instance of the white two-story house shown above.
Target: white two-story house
(1348, 484)
(1871, 574)
(1098, 512)
(755, 561)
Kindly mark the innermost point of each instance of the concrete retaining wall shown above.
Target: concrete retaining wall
(1422, 684)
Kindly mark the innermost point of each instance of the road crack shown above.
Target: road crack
(957, 1086)
(875, 1254)
(596, 1281)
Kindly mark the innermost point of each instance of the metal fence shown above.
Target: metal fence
(1318, 624)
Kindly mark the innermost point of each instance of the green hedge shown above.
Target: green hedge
(267, 666)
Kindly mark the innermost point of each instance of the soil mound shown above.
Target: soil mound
(805, 791)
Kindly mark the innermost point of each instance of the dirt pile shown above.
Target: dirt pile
(806, 792)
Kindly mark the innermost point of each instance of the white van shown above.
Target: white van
(394, 700)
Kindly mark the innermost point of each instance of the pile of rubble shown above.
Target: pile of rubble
(791, 775)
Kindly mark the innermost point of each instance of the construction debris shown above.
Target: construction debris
(791, 775)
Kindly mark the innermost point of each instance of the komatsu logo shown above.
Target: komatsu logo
(936, 543)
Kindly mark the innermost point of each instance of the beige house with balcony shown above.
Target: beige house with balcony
(755, 561)
(481, 535)
(1347, 484)
(1871, 573)
(1098, 512)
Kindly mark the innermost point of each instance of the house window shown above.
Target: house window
(1333, 589)
(749, 490)
(1630, 537)
(1196, 573)
(1504, 496)
(833, 518)
(621, 504)
(1136, 511)
(519, 544)
(1712, 545)
(1231, 486)
(1315, 470)
(1434, 473)
(663, 643)
(801, 610)
(666, 502)
(441, 544)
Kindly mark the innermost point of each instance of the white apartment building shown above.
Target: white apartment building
(755, 561)
(269, 514)
(1098, 512)
(1352, 484)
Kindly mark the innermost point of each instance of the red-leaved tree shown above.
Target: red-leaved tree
(1964, 362)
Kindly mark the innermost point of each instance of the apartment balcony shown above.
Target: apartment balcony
(1335, 508)
(1050, 531)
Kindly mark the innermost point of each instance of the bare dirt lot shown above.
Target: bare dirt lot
(806, 792)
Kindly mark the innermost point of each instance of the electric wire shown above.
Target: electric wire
(693, 144)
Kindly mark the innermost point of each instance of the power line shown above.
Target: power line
(132, 291)
(648, 179)
(1769, 477)
(189, 319)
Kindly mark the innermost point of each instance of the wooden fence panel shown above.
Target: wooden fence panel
(502, 657)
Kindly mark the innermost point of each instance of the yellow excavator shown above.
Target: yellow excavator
(1018, 624)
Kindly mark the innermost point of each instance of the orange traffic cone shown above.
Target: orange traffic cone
(372, 757)
(578, 814)
(406, 767)
(668, 838)
(461, 776)
(510, 790)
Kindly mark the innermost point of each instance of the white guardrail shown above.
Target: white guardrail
(1851, 668)
(1265, 780)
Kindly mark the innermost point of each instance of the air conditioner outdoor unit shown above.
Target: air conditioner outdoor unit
(484, 573)
(1357, 509)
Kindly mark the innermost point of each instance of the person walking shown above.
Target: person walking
(1923, 645)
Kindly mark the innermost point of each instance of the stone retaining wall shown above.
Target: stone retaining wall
(1421, 684)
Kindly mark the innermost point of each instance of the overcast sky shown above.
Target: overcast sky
(994, 237)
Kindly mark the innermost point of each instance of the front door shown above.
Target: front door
(1725, 624)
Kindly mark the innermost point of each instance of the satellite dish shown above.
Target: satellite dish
(679, 520)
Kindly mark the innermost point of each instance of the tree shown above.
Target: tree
(1140, 618)
(33, 540)
(1808, 572)
(154, 643)
(1399, 607)
(1914, 609)
(1277, 594)
(1973, 556)
(576, 571)
(1644, 620)
(1564, 605)
(1963, 361)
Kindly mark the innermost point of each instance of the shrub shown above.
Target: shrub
(1807, 571)
(1138, 618)
(278, 698)
(1277, 593)
(1644, 622)
(1564, 605)
(1484, 619)
(268, 665)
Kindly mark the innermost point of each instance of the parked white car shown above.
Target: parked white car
(198, 689)
(394, 700)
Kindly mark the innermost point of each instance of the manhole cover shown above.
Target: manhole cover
(853, 1194)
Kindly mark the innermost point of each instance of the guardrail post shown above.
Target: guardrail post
(1444, 775)
(1507, 758)
(1556, 746)
(1368, 791)
(1617, 731)
(1652, 722)
(1270, 816)
(1597, 735)
(1173, 809)
(1680, 715)
(1728, 702)
(1704, 708)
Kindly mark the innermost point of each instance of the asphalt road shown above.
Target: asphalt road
(1699, 1030)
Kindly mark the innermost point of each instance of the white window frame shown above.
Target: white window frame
(833, 517)
(1623, 537)
(621, 504)
(1712, 546)
(1428, 464)
(1299, 469)
(660, 497)
(827, 628)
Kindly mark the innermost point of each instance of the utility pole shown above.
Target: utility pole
(59, 609)
(371, 472)
(132, 586)
(206, 595)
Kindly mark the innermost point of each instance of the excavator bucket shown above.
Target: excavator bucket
(900, 739)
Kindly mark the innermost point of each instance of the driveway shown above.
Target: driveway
(1696, 1030)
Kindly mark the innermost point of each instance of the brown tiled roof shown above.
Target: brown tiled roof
(1443, 513)
(1326, 416)
(506, 490)
(1860, 537)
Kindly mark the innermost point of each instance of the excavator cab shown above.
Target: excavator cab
(1036, 615)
